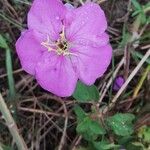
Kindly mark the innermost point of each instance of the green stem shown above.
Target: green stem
(12, 125)
(9, 68)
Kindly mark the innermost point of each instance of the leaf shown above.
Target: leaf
(131, 146)
(104, 145)
(83, 126)
(125, 140)
(96, 128)
(3, 43)
(138, 144)
(11, 83)
(144, 134)
(84, 93)
(7, 147)
(136, 4)
(79, 113)
(121, 124)
(143, 17)
(136, 13)
(90, 129)
(125, 37)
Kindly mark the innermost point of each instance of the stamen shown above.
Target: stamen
(62, 35)
(60, 47)
(48, 45)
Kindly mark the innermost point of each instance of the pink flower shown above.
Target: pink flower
(64, 44)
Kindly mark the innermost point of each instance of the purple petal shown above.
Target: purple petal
(46, 17)
(88, 20)
(70, 14)
(91, 41)
(29, 51)
(91, 63)
(55, 74)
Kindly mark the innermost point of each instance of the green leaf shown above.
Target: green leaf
(104, 145)
(136, 4)
(90, 129)
(125, 37)
(79, 113)
(3, 43)
(84, 93)
(96, 128)
(7, 147)
(121, 124)
(138, 144)
(124, 140)
(143, 17)
(136, 13)
(131, 146)
(144, 134)
(9, 67)
(84, 125)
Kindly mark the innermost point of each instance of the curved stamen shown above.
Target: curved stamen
(60, 47)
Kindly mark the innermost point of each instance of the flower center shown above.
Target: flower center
(61, 46)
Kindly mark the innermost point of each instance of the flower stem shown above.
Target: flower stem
(12, 125)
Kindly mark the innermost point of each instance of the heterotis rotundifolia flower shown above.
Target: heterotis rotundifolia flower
(63, 44)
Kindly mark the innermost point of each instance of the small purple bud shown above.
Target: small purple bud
(119, 81)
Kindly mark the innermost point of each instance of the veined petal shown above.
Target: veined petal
(91, 63)
(46, 17)
(55, 74)
(29, 51)
(92, 41)
(87, 21)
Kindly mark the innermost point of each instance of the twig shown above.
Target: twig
(77, 142)
(42, 112)
(12, 125)
(62, 142)
(14, 72)
(145, 47)
(127, 81)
